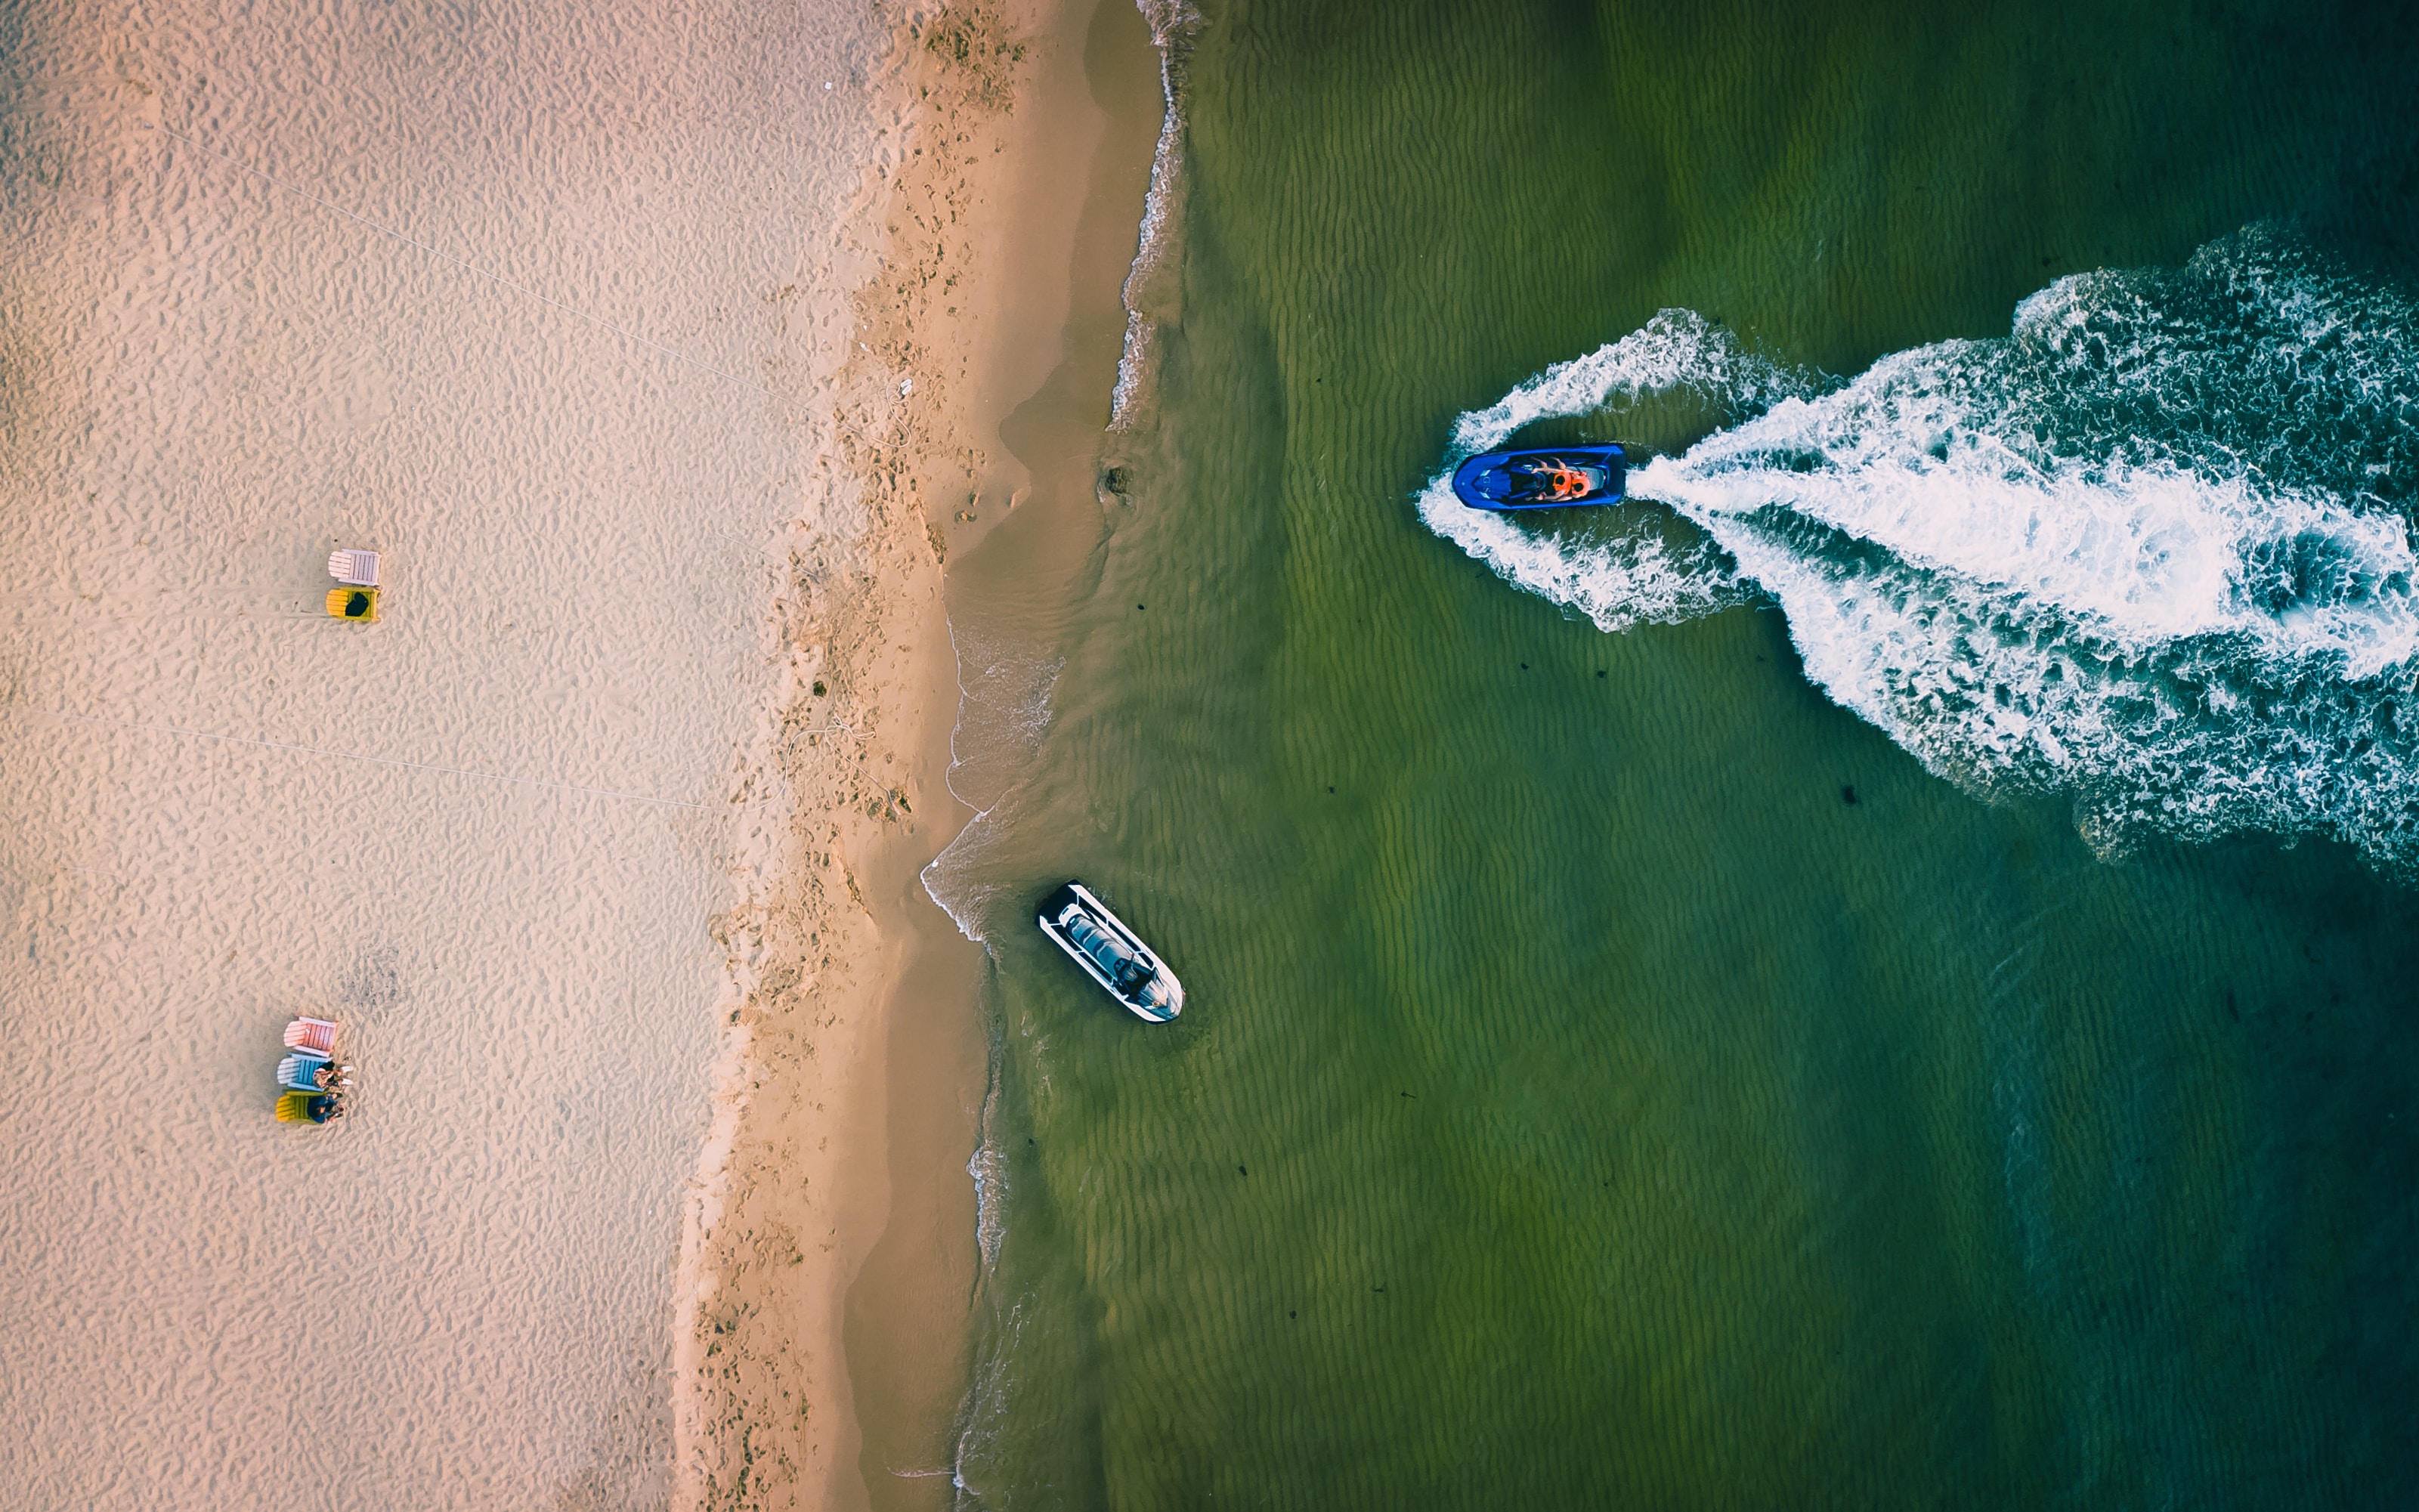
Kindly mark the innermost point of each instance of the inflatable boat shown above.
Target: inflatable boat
(1557, 479)
(1111, 954)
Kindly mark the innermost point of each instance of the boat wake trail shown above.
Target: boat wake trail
(2152, 548)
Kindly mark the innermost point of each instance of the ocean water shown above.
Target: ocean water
(2150, 548)
(1880, 973)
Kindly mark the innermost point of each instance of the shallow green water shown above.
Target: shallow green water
(1580, 1101)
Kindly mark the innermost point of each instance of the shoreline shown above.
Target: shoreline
(848, 1090)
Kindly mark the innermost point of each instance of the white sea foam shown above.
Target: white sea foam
(1173, 23)
(1677, 352)
(1621, 582)
(1615, 583)
(1003, 706)
(2152, 548)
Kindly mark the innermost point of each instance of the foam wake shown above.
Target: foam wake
(1153, 289)
(1004, 690)
(2152, 549)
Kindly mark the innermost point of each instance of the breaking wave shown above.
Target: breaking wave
(2152, 549)
(1004, 690)
(1151, 291)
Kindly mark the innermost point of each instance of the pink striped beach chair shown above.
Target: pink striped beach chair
(312, 1036)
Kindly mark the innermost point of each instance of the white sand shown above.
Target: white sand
(490, 831)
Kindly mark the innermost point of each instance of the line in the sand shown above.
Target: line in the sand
(375, 761)
(469, 266)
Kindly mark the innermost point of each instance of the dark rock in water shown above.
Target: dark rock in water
(1117, 481)
(1848, 795)
(819, 690)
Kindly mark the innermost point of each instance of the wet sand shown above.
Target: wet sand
(830, 1257)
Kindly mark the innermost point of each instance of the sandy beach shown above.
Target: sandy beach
(831, 1250)
(661, 358)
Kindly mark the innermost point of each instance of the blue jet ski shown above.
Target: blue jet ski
(1557, 478)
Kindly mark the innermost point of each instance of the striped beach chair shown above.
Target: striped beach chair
(356, 569)
(307, 1108)
(302, 1073)
(316, 1036)
(359, 605)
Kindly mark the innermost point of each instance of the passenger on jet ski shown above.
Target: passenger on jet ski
(1560, 482)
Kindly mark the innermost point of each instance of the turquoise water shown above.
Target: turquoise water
(1799, 992)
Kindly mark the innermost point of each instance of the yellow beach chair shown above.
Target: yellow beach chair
(359, 604)
(309, 1107)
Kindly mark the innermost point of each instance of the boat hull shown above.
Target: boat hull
(1512, 481)
(1099, 941)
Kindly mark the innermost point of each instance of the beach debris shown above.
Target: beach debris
(355, 597)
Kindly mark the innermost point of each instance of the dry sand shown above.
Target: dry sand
(593, 321)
